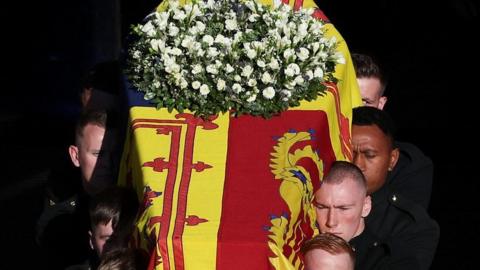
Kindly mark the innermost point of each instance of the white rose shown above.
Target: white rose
(268, 92)
(196, 84)
(237, 88)
(220, 84)
(200, 27)
(208, 39)
(251, 54)
(231, 24)
(212, 52)
(303, 54)
(204, 90)
(247, 71)
(212, 69)
(299, 79)
(252, 82)
(237, 78)
(197, 69)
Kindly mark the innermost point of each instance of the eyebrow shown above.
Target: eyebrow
(334, 206)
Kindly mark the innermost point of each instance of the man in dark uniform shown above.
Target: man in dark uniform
(412, 177)
(62, 229)
(341, 205)
(393, 215)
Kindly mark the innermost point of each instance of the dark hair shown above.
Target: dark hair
(368, 116)
(367, 67)
(116, 204)
(342, 170)
(329, 242)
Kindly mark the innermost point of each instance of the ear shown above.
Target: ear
(367, 206)
(90, 239)
(85, 96)
(393, 158)
(381, 102)
(73, 151)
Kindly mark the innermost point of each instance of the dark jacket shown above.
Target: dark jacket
(373, 254)
(398, 220)
(412, 177)
(62, 233)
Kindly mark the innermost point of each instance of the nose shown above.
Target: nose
(359, 161)
(332, 218)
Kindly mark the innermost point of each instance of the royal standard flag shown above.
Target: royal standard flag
(235, 192)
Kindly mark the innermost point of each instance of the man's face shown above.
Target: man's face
(370, 90)
(373, 154)
(319, 259)
(340, 208)
(100, 234)
(93, 155)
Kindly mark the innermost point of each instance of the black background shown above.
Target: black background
(429, 48)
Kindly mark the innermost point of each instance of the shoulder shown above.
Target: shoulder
(415, 215)
(412, 154)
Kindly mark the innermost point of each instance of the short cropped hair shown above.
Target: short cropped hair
(329, 242)
(369, 116)
(101, 118)
(341, 170)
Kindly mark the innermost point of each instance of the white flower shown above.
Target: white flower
(229, 69)
(303, 54)
(208, 40)
(231, 25)
(288, 53)
(247, 71)
(204, 90)
(268, 92)
(274, 64)
(251, 54)
(173, 30)
(299, 80)
(253, 58)
(212, 69)
(212, 52)
(196, 69)
(157, 45)
(220, 84)
(196, 84)
(149, 29)
(266, 78)
(253, 17)
(292, 69)
(200, 26)
(252, 98)
(237, 88)
(261, 63)
(179, 15)
(318, 73)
